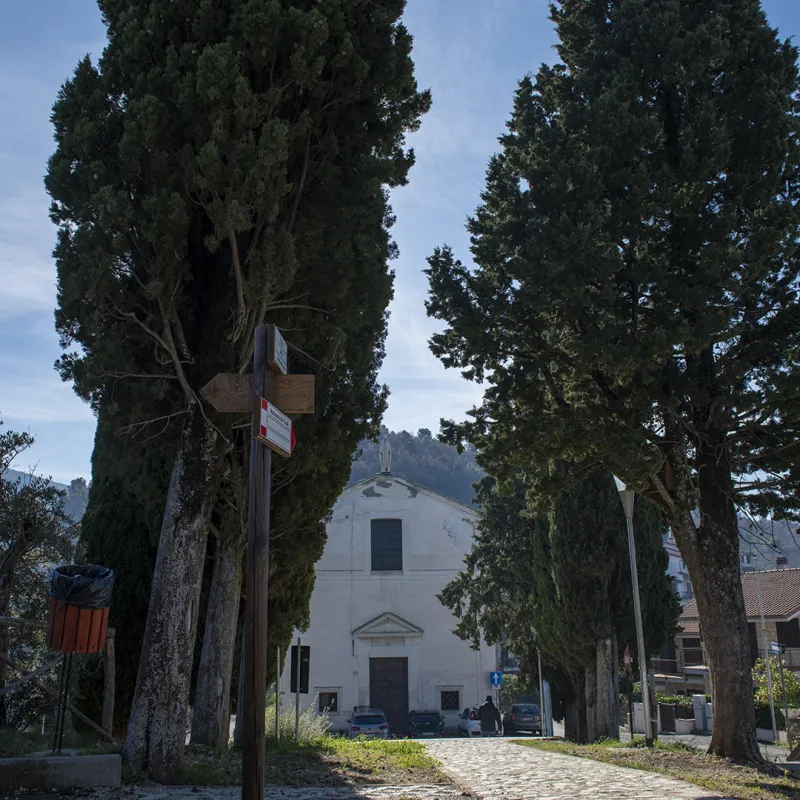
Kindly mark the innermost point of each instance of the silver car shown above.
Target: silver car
(371, 723)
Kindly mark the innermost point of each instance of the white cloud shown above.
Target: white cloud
(27, 281)
(38, 397)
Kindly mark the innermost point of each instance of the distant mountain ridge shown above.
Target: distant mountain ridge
(77, 492)
(424, 460)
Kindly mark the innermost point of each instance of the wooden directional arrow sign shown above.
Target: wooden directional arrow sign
(231, 392)
(275, 429)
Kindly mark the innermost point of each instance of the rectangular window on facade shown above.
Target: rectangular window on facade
(387, 545)
(450, 700)
(788, 633)
(692, 652)
(329, 702)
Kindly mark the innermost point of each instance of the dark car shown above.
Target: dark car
(426, 725)
(522, 718)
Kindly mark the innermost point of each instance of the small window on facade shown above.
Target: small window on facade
(781, 561)
(328, 702)
(692, 652)
(387, 545)
(450, 700)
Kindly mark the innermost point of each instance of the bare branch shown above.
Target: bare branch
(135, 428)
(241, 315)
(139, 375)
(294, 305)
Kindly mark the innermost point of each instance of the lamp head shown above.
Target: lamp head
(626, 495)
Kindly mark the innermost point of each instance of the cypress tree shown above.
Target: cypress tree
(635, 299)
(222, 164)
(553, 574)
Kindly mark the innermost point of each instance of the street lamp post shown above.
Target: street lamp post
(766, 657)
(626, 495)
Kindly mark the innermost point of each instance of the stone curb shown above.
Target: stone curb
(60, 772)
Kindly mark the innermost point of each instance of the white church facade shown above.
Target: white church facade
(378, 634)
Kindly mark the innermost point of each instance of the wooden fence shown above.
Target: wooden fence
(109, 669)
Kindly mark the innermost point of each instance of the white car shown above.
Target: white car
(468, 722)
(369, 723)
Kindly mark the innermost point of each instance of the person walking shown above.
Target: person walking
(491, 723)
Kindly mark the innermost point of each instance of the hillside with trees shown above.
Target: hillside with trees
(424, 460)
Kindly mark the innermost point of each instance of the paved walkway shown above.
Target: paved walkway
(418, 792)
(498, 769)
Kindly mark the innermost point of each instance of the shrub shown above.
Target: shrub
(313, 726)
(676, 699)
(790, 679)
(764, 718)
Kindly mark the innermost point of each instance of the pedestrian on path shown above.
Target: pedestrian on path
(489, 716)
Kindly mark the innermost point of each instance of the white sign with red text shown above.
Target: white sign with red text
(275, 429)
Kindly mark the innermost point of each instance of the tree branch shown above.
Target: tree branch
(241, 314)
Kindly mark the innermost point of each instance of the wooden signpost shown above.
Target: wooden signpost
(270, 393)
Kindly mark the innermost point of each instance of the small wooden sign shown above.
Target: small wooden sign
(275, 429)
(277, 350)
(231, 392)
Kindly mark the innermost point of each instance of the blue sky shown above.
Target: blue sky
(469, 52)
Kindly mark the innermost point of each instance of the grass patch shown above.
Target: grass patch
(680, 761)
(326, 761)
(14, 743)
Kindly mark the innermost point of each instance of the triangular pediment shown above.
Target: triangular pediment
(387, 625)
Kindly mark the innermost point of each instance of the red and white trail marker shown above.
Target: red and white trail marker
(275, 429)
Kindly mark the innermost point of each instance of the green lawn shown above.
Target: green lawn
(686, 763)
(327, 761)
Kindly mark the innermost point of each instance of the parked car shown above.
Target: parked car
(468, 722)
(426, 725)
(522, 718)
(371, 723)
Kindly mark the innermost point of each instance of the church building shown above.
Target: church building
(379, 636)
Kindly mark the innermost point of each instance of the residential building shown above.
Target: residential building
(763, 544)
(780, 594)
(677, 569)
(379, 635)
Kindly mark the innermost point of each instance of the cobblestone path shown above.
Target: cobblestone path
(418, 792)
(498, 769)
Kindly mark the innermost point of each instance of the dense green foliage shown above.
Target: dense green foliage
(790, 682)
(561, 581)
(635, 301)
(424, 460)
(120, 530)
(218, 167)
(35, 534)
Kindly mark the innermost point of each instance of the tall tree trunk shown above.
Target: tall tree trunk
(591, 702)
(607, 682)
(575, 716)
(211, 712)
(711, 551)
(157, 729)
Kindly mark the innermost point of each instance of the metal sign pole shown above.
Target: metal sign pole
(541, 692)
(277, 693)
(767, 658)
(297, 697)
(637, 610)
(785, 699)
